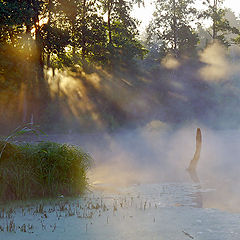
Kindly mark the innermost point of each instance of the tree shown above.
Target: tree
(118, 11)
(220, 25)
(35, 34)
(139, 2)
(20, 21)
(172, 26)
(86, 27)
(123, 45)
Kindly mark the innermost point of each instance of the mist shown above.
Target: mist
(157, 153)
(110, 132)
(141, 127)
(160, 147)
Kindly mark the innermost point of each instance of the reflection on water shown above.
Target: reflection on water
(164, 194)
(138, 212)
(221, 194)
(217, 193)
(157, 156)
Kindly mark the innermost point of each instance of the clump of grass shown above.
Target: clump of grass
(46, 169)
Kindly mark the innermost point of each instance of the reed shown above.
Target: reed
(46, 169)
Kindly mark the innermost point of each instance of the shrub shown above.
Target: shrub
(46, 169)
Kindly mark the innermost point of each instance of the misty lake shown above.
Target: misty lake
(141, 190)
(144, 211)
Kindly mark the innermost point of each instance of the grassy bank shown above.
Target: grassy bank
(46, 169)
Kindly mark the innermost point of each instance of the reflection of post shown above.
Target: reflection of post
(193, 175)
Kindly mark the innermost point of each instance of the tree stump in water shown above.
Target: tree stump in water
(193, 164)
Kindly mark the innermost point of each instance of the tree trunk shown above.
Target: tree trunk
(26, 88)
(84, 11)
(174, 29)
(109, 9)
(41, 90)
(49, 8)
(39, 58)
(48, 60)
(214, 36)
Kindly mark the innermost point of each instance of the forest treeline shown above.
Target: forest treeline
(40, 38)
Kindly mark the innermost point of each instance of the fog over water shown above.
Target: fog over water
(160, 148)
(158, 114)
(159, 154)
(164, 113)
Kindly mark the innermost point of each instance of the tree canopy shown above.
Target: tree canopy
(42, 36)
(172, 26)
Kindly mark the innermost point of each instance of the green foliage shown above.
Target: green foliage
(42, 170)
(40, 34)
(171, 26)
(18, 12)
(93, 36)
(123, 47)
(75, 31)
(220, 25)
(54, 39)
(21, 130)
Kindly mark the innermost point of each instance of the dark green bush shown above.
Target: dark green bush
(45, 169)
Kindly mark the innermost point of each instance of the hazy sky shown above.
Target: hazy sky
(145, 14)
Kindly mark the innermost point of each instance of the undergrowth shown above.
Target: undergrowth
(46, 169)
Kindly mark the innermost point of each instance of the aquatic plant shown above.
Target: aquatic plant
(41, 170)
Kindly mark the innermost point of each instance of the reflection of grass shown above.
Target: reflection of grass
(42, 170)
(49, 214)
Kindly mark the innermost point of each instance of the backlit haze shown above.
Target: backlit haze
(144, 14)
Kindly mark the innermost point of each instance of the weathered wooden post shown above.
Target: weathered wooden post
(193, 164)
